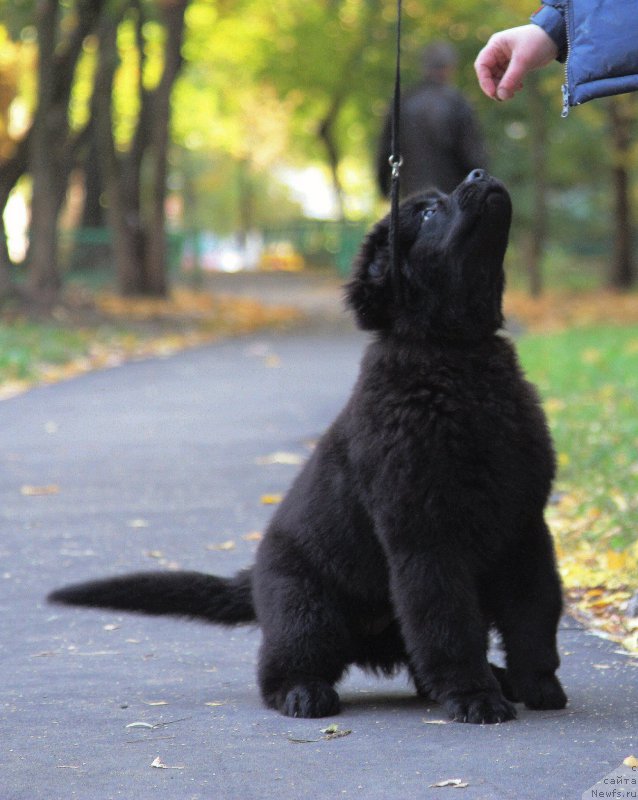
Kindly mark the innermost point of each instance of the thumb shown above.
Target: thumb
(512, 78)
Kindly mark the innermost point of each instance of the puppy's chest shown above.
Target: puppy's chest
(469, 418)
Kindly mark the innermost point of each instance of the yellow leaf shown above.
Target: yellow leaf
(615, 561)
(271, 499)
(563, 459)
(254, 536)
(38, 491)
(229, 545)
(554, 404)
(619, 499)
(631, 761)
(591, 356)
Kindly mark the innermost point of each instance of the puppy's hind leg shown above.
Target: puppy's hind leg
(304, 652)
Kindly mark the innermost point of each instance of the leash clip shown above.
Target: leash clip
(395, 165)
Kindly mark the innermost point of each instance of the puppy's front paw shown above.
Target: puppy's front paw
(480, 708)
(312, 699)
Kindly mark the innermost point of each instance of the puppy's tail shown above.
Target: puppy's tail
(227, 601)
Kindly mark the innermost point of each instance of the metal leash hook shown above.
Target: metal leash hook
(395, 165)
(395, 159)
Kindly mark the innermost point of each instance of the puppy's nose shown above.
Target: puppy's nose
(477, 175)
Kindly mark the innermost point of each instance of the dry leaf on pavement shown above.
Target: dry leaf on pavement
(454, 783)
(38, 491)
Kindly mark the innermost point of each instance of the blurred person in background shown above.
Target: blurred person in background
(440, 137)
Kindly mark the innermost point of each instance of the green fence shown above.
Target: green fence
(85, 249)
(320, 243)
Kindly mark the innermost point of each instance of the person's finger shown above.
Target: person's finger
(489, 66)
(512, 79)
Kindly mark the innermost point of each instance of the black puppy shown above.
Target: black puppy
(417, 523)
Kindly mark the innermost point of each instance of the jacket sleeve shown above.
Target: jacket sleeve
(551, 18)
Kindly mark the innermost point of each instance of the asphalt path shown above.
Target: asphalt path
(165, 462)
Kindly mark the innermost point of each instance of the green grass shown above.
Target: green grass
(26, 346)
(588, 379)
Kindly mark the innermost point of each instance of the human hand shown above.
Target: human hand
(509, 55)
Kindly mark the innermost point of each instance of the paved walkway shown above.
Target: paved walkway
(164, 462)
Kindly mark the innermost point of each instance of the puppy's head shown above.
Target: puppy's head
(448, 284)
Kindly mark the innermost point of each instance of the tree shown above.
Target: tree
(622, 119)
(135, 180)
(52, 144)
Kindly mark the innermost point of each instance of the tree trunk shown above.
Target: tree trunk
(119, 179)
(621, 116)
(93, 215)
(156, 279)
(139, 237)
(49, 129)
(51, 149)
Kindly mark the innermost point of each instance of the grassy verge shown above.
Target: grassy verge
(94, 331)
(588, 378)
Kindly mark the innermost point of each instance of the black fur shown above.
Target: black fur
(417, 523)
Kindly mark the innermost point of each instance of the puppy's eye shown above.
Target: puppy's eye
(429, 212)
(375, 270)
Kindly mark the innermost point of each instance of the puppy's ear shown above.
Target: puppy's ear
(369, 291)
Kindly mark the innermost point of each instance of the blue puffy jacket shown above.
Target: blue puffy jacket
(598, 41)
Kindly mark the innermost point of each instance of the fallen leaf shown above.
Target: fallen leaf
(271, 499)
(331, 728)
(331, 732)
(155, 702)
(436, 721)
(454, 783)
(229, 545)
(631, 761)
(280, 457)
(216, 703)
(159, 764)
(38, 491)
(253, 536)
(334, 732)
(155, 554)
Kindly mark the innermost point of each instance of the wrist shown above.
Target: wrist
(551, 20)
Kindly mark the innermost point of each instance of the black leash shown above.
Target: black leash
(395, 159)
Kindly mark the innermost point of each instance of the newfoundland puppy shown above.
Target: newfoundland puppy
(417, 525)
